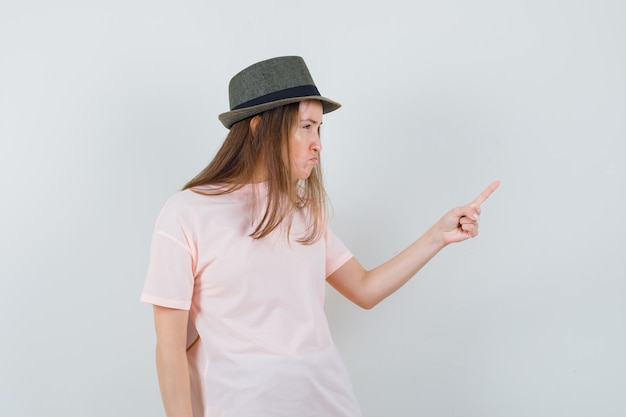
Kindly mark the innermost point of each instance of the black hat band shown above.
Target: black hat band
(300, 91)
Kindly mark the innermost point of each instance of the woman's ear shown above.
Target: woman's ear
(254, 123)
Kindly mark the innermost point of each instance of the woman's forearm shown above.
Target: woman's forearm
(368, 288)
(386, 278)
(174, 381)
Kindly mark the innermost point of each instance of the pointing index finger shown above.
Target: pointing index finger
(486, 193)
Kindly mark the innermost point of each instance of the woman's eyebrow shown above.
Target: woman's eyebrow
(311, 121)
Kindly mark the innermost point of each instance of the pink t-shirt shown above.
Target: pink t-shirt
(265, 348)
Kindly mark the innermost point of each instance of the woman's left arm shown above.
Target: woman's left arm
(368, 288)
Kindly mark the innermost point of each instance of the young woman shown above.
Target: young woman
(241, 256)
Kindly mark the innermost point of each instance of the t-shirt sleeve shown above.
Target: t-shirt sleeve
(170, 278)
(336, 252)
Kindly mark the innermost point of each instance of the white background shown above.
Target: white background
(107, 108)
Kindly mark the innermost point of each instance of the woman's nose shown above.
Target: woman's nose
(317, 145)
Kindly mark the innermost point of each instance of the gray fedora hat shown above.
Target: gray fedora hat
(269, 84)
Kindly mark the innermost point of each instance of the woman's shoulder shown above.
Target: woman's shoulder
(181, 199)
(192, 207)
(204, 197)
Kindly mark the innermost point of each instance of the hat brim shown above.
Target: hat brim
(228, 119)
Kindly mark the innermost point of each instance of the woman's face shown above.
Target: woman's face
(304, 141)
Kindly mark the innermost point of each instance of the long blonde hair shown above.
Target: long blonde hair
(245, 150)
